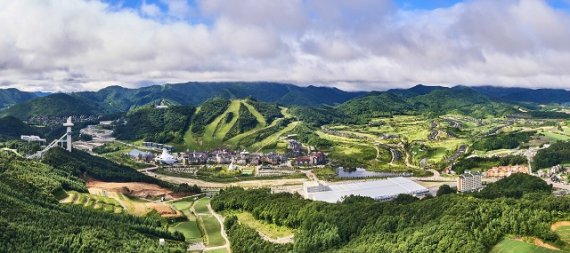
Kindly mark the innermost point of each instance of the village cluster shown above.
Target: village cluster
(266, 164)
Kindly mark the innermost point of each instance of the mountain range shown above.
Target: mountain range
(116, 99)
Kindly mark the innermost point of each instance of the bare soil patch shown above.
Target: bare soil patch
(559, 224)
(140, 190)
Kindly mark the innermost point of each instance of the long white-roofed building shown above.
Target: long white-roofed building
(382, 190)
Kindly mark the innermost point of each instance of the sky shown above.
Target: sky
(72, 45)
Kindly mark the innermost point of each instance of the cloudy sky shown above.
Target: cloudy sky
(55, 45)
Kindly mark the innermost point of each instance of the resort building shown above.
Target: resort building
(469, 182)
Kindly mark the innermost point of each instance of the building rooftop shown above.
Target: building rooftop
(378, 189)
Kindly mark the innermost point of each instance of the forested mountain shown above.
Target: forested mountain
(377, 105)
(52, 105)
(427, 100)
(542, 96)
(417, 90)
(31, 220)
(9, 97)
(152, 124)
(460, 99)
(521, 205)
(235, 123)
(117, 98)
(13, 128)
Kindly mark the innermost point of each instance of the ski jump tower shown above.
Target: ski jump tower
(67, 136)
(69, 125)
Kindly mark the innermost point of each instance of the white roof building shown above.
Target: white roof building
(379, 190)
(166, 158)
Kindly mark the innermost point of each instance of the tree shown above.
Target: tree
(445, 189)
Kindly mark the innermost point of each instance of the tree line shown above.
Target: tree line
(450, 223)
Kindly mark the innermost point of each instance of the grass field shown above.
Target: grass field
(213, 230)
(189, 229)
(564, 233)
(508, 245)
(271, 230)
(201, 206)
(272, 139)
(182, 204)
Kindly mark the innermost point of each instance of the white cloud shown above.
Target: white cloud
(178, 8)
(150, 9)
(358, 44)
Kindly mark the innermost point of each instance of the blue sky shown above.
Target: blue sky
(405, 4)
(55, 45)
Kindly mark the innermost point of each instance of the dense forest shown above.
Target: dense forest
(209, 110)
(156, 125)
(503, 141)
(450, 223)
(269, 111)
(84, 165)
(318, 116)
(31, 220)
(557, 153)
(12, 128)
(244, 123)
(59, 104)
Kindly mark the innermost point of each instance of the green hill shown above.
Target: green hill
(53, 105)
(32, 220)
(377, 105)
(448, 223)
(461, 100)
(9, 97)
(152, 124)
(236, 123)
(12, 128)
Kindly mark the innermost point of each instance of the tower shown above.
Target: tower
(68, 124)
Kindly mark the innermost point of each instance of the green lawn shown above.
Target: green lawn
(268, 229)
(564, 233)
(274, 138)
(221, 128)
(213, 230)
(201, 206)
(182, 204)
(189, 229)
(508, 245)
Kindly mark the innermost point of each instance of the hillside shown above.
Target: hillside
(541, 96)
(9, 97)
(53, 105)
(237, 123)
(12, 128)
(462, 100)
(377, 105)
(449, 223)
(156, 125)
(31, 218)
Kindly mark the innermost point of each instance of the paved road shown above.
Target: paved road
(557, 185)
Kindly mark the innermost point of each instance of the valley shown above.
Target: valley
(211, 176)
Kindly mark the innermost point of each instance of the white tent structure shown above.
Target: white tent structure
(378, 189)
(166, 158)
